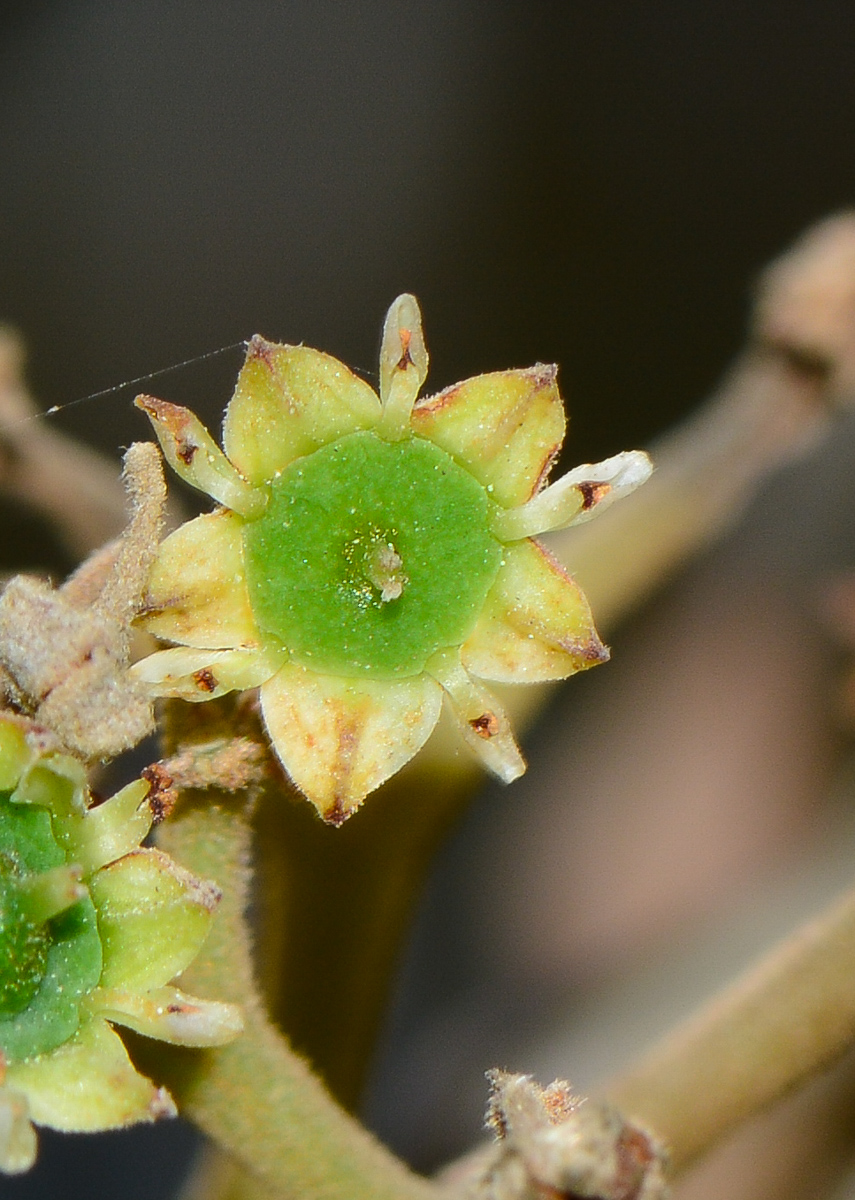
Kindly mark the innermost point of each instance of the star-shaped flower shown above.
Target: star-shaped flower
(93, 928)
(372, 555)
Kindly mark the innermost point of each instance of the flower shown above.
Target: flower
(92, 929)
(372, 555)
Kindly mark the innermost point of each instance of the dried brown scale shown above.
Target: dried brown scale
(634, 1155)
(162, 794)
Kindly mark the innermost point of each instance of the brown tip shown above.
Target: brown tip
(174, 419)
(259, 348)
(543, 375)
(159, 409)
(338, 812)
(162, 795)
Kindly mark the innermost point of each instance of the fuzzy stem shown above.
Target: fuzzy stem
(705, 472)
(347, 894)
(73, 485)
(785, 1020)
(256, 1097)
(778, 398)
(347, 899)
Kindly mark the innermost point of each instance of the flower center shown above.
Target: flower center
(371, 555)
(46, 966)
(23, 946)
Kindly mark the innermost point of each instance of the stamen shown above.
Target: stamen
(403, 366)
(575, 497)
(481, 719)
(193, 674)
(169, 1015)
(197, 459)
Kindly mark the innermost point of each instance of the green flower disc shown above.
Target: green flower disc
(23, 945)
(45, 969)
(371, 555)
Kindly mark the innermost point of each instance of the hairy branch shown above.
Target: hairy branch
(785, 1020)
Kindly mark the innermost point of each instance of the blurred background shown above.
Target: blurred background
(593, 185)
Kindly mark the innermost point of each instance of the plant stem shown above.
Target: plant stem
(796, 369)
(256, 1097)
(337, 903)
(73, 485)
(784, 1021)
(348, 896)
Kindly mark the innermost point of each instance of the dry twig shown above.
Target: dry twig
(64, 652)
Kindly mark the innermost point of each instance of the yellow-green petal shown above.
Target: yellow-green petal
(536, 623)
(289, 401)
(88, 1084)
(196, 592)
(152, 916)
(341, 738)
(506, 427)
(15, 752)
(110, 829)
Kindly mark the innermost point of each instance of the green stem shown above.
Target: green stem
(785, 1020)
(256, 1097)
(348, 896)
